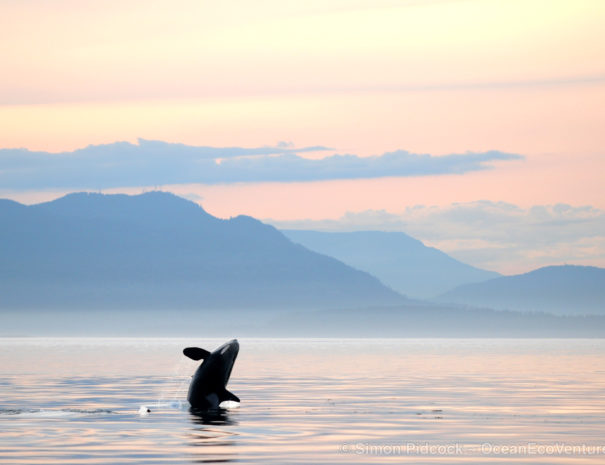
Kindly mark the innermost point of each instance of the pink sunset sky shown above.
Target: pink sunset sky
(359, 77)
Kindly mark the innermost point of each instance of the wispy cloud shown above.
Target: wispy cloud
(17, 97)
(150, 163)
(493, 235)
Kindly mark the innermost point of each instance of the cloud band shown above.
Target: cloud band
(153, 163)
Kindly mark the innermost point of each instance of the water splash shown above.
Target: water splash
(52, 413)
(175, 389)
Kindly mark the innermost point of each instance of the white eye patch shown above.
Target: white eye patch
(224, 350)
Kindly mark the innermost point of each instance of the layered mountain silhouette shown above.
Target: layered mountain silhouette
(563, 290)
(398, 260)
(157, 250)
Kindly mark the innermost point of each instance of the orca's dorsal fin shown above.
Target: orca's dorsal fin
(195, 353)
(226, 395)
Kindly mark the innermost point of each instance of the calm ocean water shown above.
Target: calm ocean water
(438, 401)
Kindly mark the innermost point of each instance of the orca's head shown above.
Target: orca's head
(222, 359)
(228, 353)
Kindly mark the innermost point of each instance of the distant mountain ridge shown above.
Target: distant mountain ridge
(563, 290)
(401, 262)
(157, 250)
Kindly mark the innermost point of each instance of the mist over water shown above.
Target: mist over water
(79, 400)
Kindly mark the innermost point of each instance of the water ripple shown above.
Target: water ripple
(321, 401)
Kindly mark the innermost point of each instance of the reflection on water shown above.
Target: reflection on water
(211, 417)
(322, 401)
(215, 442)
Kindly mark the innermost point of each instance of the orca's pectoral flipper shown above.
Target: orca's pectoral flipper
(195, 353)
(226, 395)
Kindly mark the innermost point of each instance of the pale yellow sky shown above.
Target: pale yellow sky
(73, 51)
(362, 77)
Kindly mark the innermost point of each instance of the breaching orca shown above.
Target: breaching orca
(208, 387)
